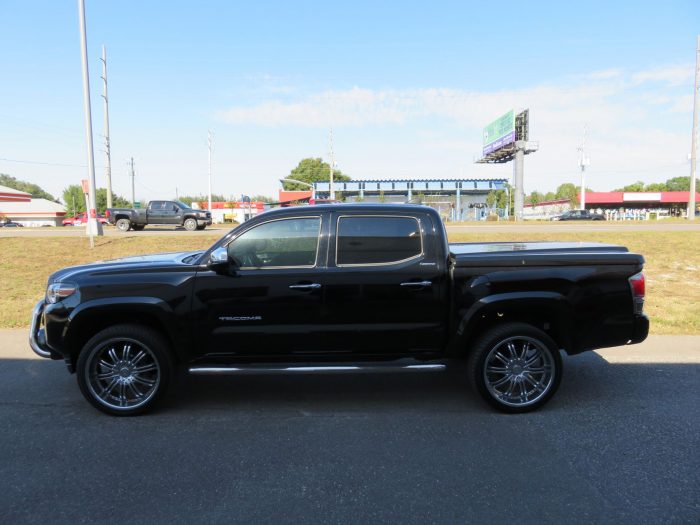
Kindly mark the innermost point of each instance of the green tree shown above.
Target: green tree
(678, 184)
(189, 199)
(635, 186)
(499, 199)
(36, 191)
(655, 186)
(312, 170)
(74, 200)
(569, 191)
(261, 198)
(534, 198)
(550, 196)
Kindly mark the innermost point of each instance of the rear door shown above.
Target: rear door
(385, 288)
(156, 212)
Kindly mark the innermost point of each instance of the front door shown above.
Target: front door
(270, 302)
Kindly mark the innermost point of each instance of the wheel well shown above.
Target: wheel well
(122, 216)
(90, 325)
(546, 319)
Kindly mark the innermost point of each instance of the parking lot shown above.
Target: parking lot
(618, 444)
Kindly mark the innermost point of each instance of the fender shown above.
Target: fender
(137, 307)
(554, 304)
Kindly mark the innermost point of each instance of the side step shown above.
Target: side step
(325, 368)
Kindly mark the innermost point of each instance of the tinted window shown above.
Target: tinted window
(287, 242)
(376, 240)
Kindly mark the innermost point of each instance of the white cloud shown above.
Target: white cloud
(635, 120)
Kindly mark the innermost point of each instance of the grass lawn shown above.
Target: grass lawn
(672, 269)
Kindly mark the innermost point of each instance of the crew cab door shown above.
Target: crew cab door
(270, 302)
(385, 288)
(158, 213)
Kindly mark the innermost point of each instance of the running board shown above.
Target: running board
(287, 368)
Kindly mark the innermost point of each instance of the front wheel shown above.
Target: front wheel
(190, 225)
(124, 370)
(515, 367)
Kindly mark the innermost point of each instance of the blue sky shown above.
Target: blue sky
(405, 86)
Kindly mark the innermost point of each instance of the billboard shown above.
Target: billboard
(499, 133)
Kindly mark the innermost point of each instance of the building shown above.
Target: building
(233, 211)
(618, 205)
(455, 199)
(659, 204)
(545, 210)
(18, 206)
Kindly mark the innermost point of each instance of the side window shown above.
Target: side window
(377, 240)
(282, 243)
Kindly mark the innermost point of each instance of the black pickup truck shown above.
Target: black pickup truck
(159, 212)
(340, 288)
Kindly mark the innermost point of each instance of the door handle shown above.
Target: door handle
(311, 286)
(417, 284)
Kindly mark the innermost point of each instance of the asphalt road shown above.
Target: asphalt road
(529, 227)
(618, 444)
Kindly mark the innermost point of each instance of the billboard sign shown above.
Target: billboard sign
(499, 133)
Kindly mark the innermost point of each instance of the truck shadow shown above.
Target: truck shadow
(590, 383)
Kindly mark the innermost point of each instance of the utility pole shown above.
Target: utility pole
(694, 141)
(108, 167)
(209, 146)
(331, 188)
(583, 162)
(93, 225)
(133, 189)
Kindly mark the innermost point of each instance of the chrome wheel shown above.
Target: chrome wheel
(122, 374)
(519, 371)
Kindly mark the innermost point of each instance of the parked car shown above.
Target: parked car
(159, 212)
(81, 219)
(10, 224)
(341, 288)
(579, 215)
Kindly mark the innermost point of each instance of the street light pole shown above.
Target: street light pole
(313, 188)
(93, 225)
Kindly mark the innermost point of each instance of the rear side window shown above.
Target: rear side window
(377, 240)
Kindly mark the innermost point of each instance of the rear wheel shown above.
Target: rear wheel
(515, 367)
(190, 224)
(124, 370)
(123, 225)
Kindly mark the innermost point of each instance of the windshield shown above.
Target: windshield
(181, 204)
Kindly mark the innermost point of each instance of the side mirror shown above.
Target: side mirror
(218, 258)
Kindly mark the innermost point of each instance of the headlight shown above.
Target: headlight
(58, 291)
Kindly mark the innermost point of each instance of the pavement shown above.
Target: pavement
(617, 444)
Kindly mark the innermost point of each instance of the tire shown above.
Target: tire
(139, 228)
(123, 225)
(124, 370)
(515, 367)
(190, 224)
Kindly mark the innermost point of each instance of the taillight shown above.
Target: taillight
(106, 213)
(638, 285)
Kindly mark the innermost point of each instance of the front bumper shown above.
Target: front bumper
(37, 333)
